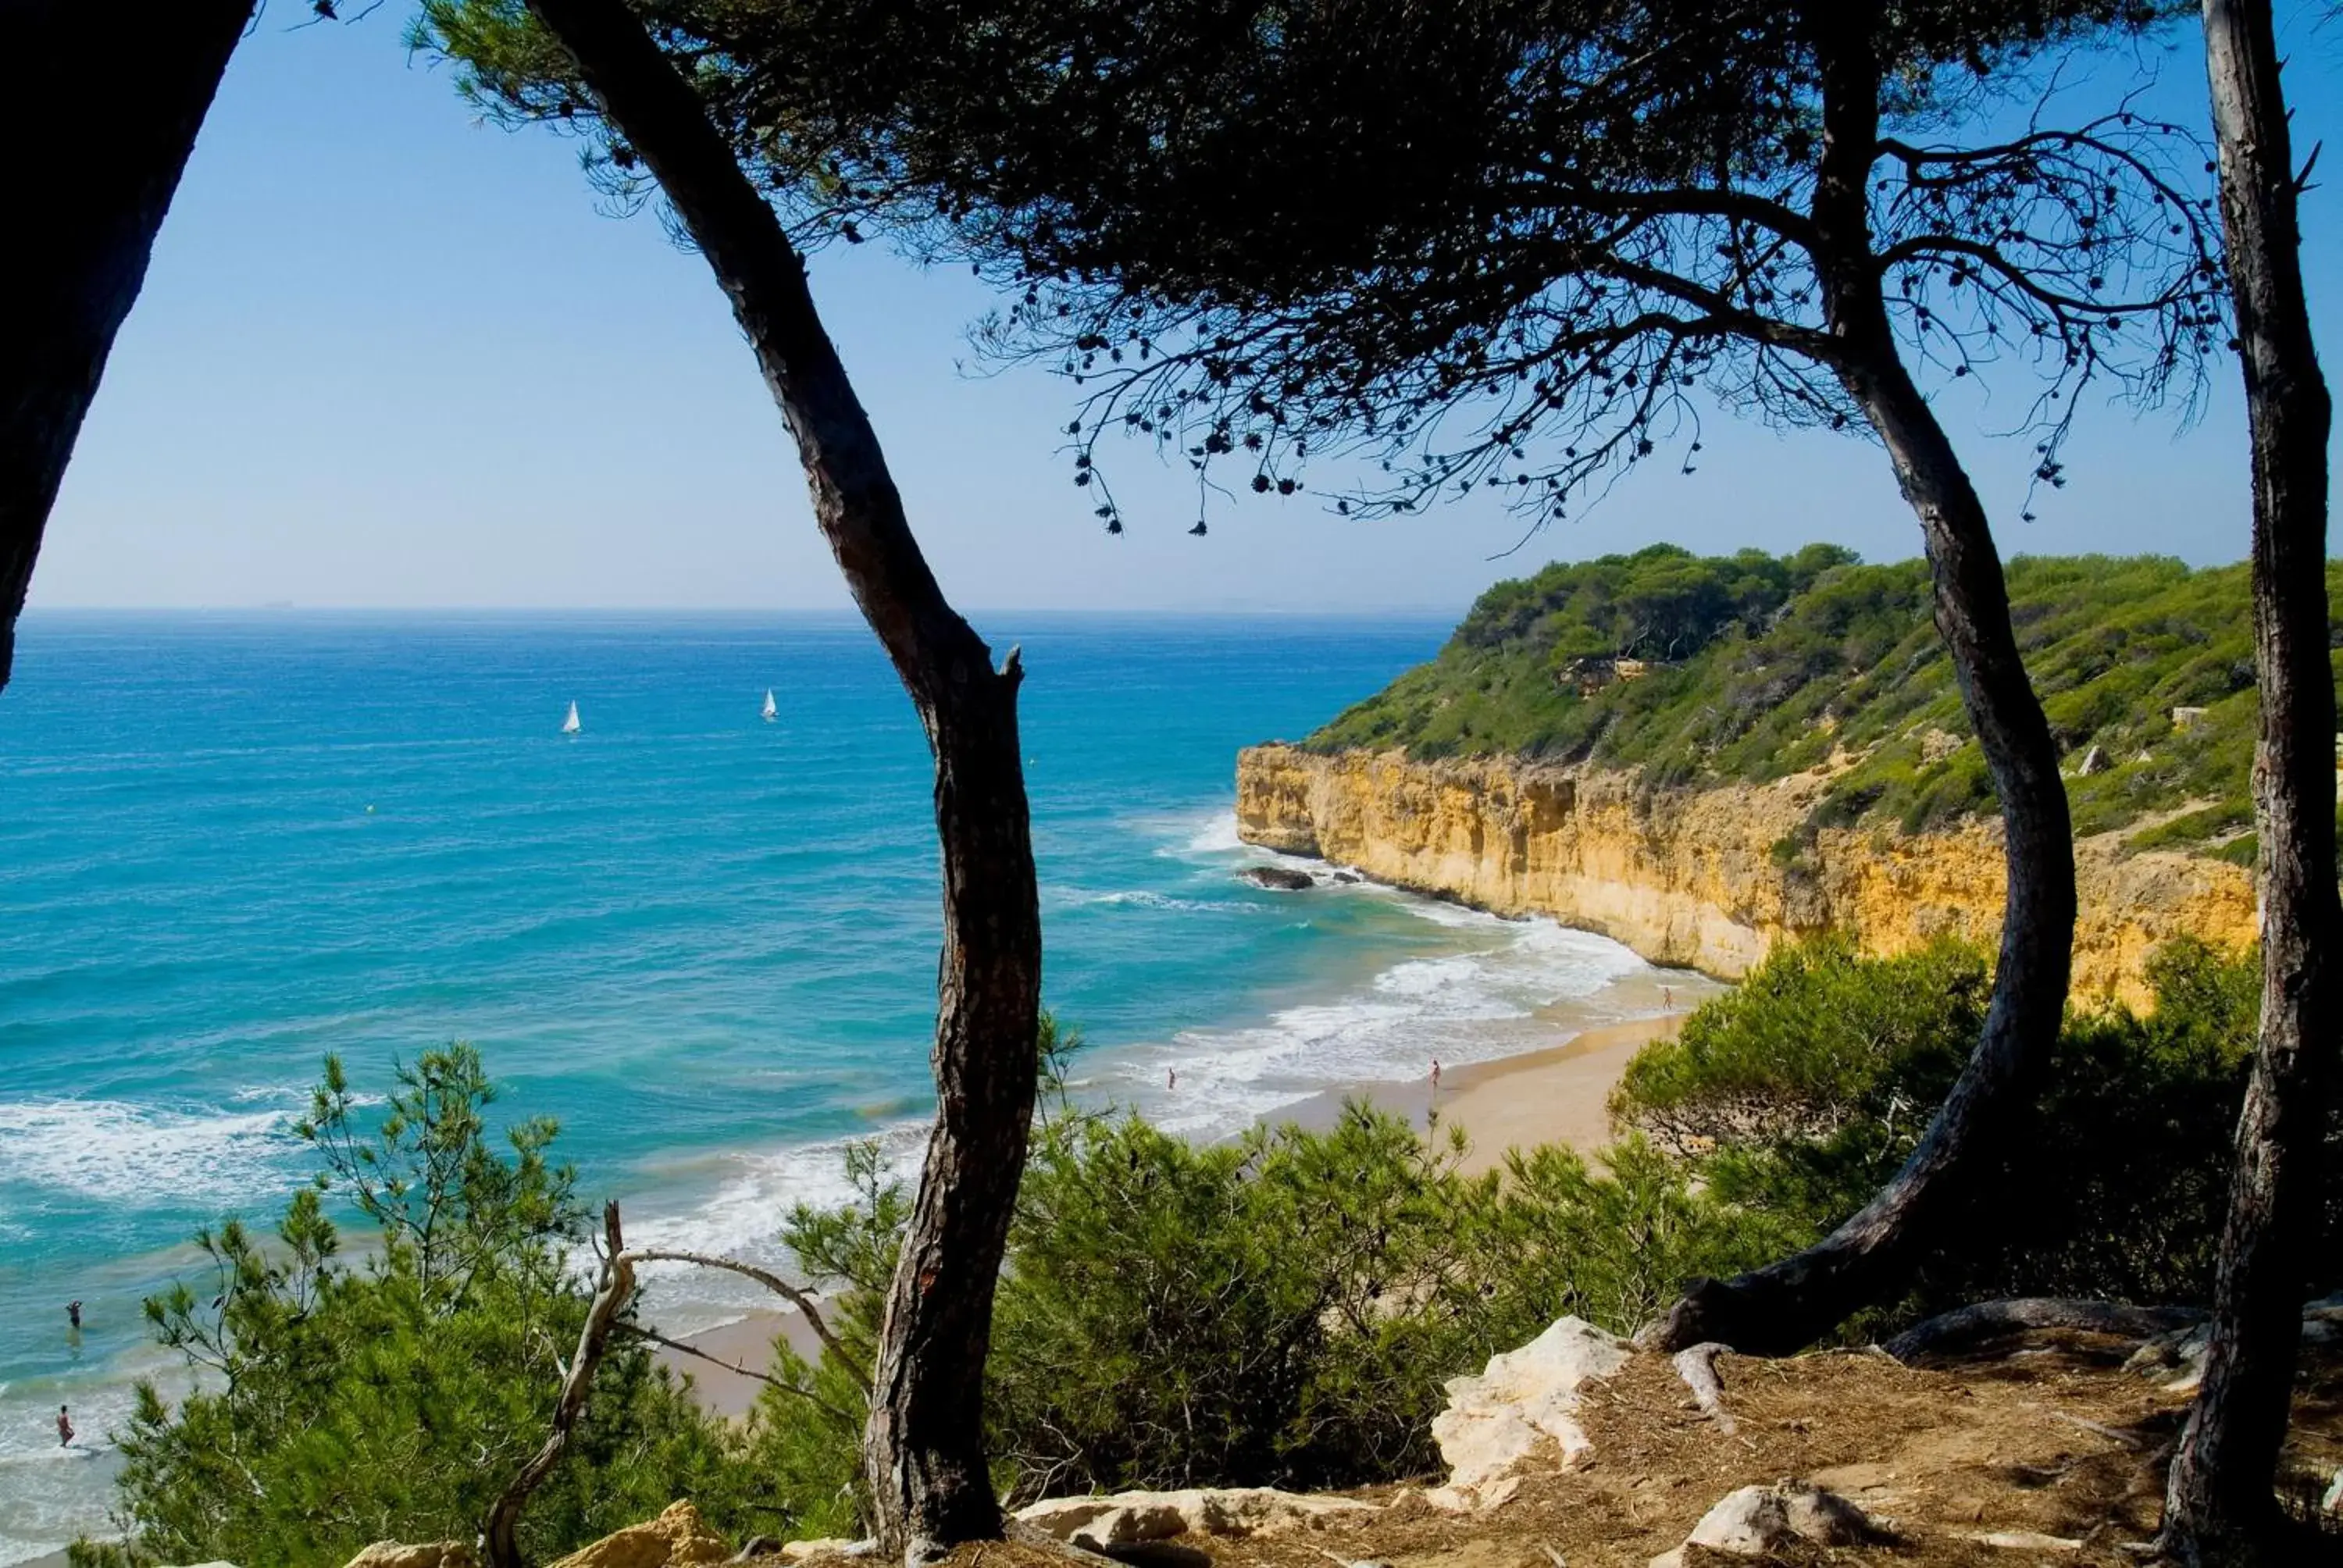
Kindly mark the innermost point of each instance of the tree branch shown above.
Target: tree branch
(683, 1348)
(618, 1284)
(801, 1300)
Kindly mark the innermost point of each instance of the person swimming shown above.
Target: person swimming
(73, 1315)
(65, 1427)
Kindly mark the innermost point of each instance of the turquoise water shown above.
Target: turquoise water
(704, 941)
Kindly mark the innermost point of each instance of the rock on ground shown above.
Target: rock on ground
(678, 1538)
(1523, 1399)
(430, 1554)
(1757, 1520)
(1135, 1518)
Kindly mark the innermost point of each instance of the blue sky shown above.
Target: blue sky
(389, 357)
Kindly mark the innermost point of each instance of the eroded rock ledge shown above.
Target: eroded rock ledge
(1706, 879)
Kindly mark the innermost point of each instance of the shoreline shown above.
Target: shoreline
(1555, 1094)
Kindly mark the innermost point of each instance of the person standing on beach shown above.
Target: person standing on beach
(65, 1428)
(1435, 1075)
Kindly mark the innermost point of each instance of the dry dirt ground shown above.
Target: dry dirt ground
(2054, 1441)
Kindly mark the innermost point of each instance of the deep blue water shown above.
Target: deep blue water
(705, 942)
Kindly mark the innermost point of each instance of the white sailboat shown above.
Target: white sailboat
(772, 709)
(570, 725)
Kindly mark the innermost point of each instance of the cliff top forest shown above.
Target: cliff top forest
(1703, 670)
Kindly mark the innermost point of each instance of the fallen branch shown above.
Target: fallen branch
(801, 1300)
(682, 1348)
(1696, 1365)
(1970, 1326)
(617, 1284)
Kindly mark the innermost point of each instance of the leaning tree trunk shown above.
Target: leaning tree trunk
(1790, 1303)
(105, 106)
(2219, 1505)
(923, 1453)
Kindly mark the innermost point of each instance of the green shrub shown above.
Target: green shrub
(337, 1404)
(1796, 1096)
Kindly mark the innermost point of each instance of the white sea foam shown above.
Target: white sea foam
(1143, 899)
(56, 1494)
(1460, 1007)
(742, 1220)
(1215, 834)
(123, 1152)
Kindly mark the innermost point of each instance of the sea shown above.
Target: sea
(704, 940)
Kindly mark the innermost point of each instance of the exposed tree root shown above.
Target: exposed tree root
(1967, 1327)
(1698, 1366)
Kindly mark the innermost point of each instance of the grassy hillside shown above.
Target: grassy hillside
(1707, 669)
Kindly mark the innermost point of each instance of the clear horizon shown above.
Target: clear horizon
(388, 359)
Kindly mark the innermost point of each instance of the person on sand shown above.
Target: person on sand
(1435, 1075)
(65, 1428)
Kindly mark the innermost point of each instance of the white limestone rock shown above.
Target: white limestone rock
(1523, 1399)
(1758, 1519)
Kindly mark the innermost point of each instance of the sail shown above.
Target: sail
(570, 725)
(772, 709)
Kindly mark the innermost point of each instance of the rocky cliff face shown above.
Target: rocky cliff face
(1693, 878)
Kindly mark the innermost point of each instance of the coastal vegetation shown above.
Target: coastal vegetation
(1801, 209)
(339, 1399)
(1280, 1308)
(1699, 670)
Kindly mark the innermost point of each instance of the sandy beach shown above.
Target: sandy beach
(746, 1341)
(1558, 1095)
(1554, 1096)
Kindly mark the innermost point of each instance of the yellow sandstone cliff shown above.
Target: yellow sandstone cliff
(1691, 878)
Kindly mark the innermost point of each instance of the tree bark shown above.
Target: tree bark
(923, 1453)
(2219, 1505)
(108, 106)
(1791, 1302)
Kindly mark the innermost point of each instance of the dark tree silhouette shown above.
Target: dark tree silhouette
(924, 1457)
(2219, 1506)
(92, 202)
(1503, 244)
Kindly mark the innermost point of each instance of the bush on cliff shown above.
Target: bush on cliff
(1796, 1096)
(337, 1403)
(1750, 667)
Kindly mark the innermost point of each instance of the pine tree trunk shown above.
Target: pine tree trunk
(106, 107)
(1792, 1303)
(2219, 1505)
(923, 1453)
